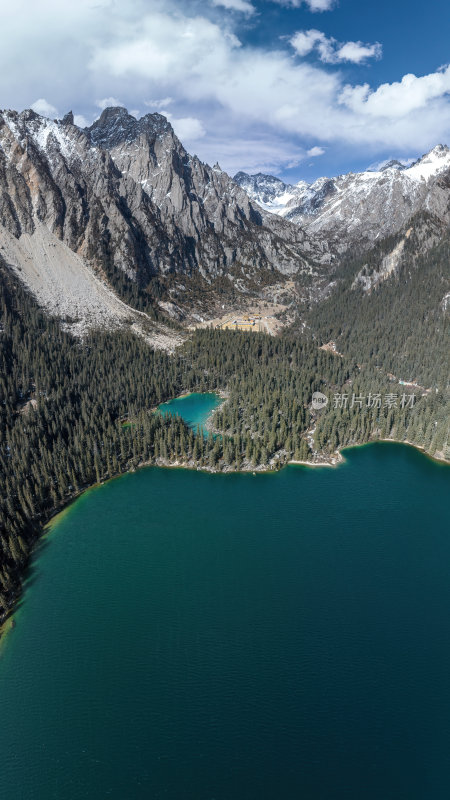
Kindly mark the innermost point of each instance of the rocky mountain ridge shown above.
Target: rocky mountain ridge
(359, 208)
(117, 224)
(126, 197)
(139, 168)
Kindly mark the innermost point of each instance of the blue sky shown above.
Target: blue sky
(297, 88)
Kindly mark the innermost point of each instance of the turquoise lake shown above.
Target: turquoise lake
(189, 636)
(195, 408)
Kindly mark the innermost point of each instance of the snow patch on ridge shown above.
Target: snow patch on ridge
(49, 128)
(431, 164)
(42, 130)
(303, 199)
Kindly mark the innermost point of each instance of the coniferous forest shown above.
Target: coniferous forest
(74, 413)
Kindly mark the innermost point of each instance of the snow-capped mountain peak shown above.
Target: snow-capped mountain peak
(392, 164)
(43, 132)
(356, 206)
(269, 192)
(431, 164)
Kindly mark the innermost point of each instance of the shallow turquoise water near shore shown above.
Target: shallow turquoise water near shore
(193, 636)
(195, 408)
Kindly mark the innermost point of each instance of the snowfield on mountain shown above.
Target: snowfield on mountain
(358, 207)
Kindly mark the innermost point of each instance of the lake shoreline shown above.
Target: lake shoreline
(156, 598)
(7, 625)
(7, 622)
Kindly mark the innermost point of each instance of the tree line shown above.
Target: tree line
(63, 404)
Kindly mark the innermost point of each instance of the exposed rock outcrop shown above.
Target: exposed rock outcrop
(126, 191)
(358, 209)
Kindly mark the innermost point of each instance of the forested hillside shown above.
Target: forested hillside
(402, 324)
(63, 404)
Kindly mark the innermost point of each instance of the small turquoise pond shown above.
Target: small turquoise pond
(195, 408)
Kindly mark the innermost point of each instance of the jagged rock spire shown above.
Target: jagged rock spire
(68, 118)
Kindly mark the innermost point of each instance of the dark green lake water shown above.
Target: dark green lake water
(189, 636)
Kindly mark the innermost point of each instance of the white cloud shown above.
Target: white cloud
(320, 5)
(235, 5)
(81, 121)
(47, 110)
(313, 152)
(165, 49)
(204, 65)
(304, 42)
(43, 107)
(107, 102)
(397, 100)
(252, 154)
(313, 5)
(188, 129)
(162, 103)
(330, 51)
(357, 52)
(248, 97)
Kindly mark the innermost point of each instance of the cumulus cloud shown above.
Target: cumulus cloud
(235, 5)
(252, 154)
(320, 5)
(330, 51)
(313, 152)
(202, 63)
(357, 52)
(81, 121)
(107, 102)
(313, 5)
(41, 106)
(251, 96)
(397, 99)
(188, 129)
(161, 103)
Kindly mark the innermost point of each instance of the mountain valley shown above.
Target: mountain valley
(124, 262)
(117, 225)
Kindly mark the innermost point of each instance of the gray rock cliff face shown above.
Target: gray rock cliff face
(124, 193)
(51, 175)
(127, 198)
(359, 208)
(218, 219)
